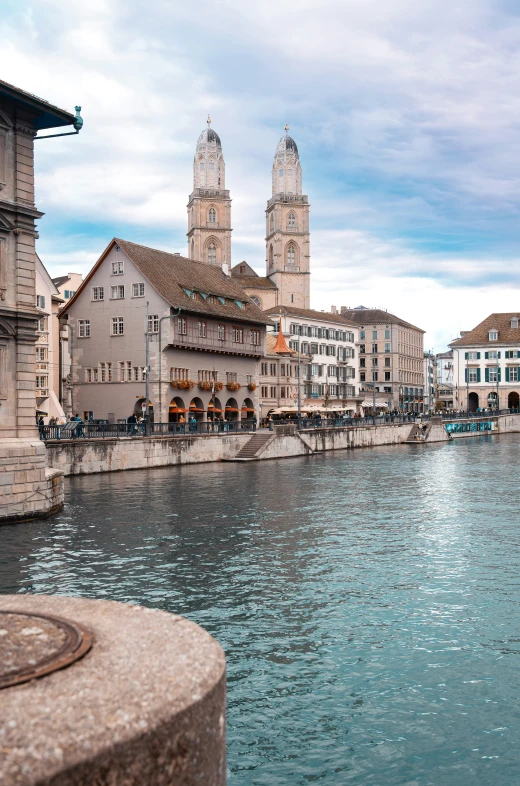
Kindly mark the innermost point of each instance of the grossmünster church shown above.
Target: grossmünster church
(287, 250)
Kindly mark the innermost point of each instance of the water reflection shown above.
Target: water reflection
(367, 601)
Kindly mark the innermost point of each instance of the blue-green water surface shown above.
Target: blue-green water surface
(367, 601)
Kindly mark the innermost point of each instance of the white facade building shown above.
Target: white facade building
(330, 378)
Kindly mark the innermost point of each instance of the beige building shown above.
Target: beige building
(391, 358)
(48, 303)
(205, 339)
(486, 364)
(209, 205)
(278, 375)
(68, 285)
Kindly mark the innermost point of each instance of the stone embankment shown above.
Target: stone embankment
(84, 457)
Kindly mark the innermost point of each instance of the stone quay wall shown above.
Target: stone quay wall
(29, 488)
(145, 706)
(84, 457)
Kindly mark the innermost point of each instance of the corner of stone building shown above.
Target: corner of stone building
(28, 488)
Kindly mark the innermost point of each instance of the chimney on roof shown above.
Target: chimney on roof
(176, 254)
(333, 310)
(225, 268)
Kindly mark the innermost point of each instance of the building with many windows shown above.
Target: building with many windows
(329, 375)
(278, 375)
(47, 348)
(68, 285)
(430, 370)
(205, 338)
(486, 364)
(391, 358)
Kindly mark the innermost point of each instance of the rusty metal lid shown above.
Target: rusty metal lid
(34, 645)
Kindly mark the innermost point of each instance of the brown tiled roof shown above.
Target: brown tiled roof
(236, 270)
(294, 311)
(255, 282)
(365, 316)
(500, 322)
(170, 274)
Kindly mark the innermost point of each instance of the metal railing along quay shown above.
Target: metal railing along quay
(77, 430)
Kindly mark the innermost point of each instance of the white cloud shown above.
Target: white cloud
(406, 116)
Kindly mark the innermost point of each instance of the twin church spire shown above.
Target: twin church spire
(287, 217)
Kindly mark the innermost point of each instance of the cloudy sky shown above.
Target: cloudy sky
(406, 115)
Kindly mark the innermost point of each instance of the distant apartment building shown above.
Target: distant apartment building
(329, 341)
(444, 367)
(486, 364)
(391, 358)
(68, 285)
(430, 371)
(47, 382)
(205, 338)
(278, 375)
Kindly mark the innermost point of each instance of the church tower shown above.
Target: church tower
(209, 206)
(287, 228)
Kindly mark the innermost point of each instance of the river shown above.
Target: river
(367, 601)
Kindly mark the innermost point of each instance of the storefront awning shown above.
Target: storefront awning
(196, 409)
(177, 409)
(247, 409)
(232, 409)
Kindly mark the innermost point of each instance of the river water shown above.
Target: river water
(367, 601)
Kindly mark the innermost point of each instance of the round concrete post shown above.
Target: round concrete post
(144, 705)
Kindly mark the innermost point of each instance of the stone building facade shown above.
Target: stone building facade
(329, 375)
(391, 358)
(209, 205)
(27, 487)
(486, 364)
(205, 339)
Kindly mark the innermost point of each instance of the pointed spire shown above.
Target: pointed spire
(281, 347)
(208, 121)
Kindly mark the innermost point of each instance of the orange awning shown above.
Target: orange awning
(232, 409)
(196, 409)
(215, 409)
(178, 409)
(247, 409)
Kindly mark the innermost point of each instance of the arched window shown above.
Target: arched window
(291, 256)
(291, 220)
(271, 261)
(212, 215)
(212, 254)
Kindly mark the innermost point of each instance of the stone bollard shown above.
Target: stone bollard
(138, 700)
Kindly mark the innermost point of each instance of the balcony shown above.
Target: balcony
(287, 198)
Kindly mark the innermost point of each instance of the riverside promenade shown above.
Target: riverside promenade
(110, 452)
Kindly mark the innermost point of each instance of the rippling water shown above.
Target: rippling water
(367, 601)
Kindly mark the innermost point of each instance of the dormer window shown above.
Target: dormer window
(493, 335)
(514, 323)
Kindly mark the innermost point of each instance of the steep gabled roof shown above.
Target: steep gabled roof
(170, 275)
(499, 322)
(255, 282)
(60, 280)
(364, 316)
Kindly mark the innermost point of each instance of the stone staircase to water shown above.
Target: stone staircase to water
(249, 451)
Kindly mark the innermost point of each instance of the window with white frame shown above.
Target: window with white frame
(40, 301)
(178, 374)
(138, 290)
(255, 337)
(212, 215)
(513, 374)
(98, 293)
(83, 328)
(291, 220)
(472, 375)
(153, 323)
(203, 328)
(493, 335)
(221, 332)
(117, 292)
(182, 327)
(117, 326)
(42, 382)
(118, 268)
(492, 375)
(473, 355)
